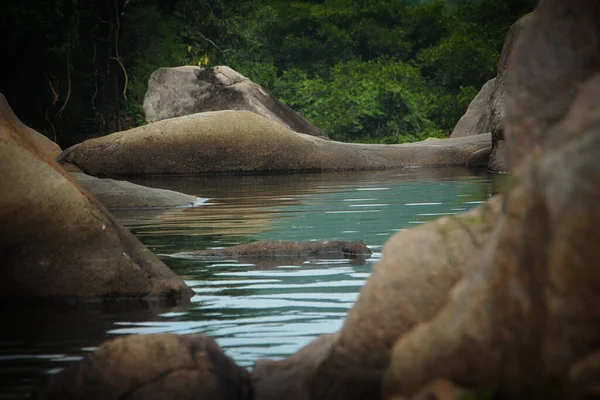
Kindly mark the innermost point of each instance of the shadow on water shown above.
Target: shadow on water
(41, 337)
(252, 308)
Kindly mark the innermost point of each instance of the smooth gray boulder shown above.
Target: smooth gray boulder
(115, 194)
(242, 141)
(174, 92)
(476, 119)
(485, 113)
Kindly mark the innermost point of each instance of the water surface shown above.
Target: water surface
(253, 310)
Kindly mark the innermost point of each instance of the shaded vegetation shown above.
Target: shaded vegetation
(373, 71)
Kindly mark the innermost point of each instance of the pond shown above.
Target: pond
(253, 310)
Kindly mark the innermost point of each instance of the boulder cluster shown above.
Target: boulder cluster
(499, 302)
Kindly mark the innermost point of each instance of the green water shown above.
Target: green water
(253, 310)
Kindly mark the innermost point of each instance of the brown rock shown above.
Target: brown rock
(497, 116)
(56, 240)
(289, 379)
(241, 141)
(486, 111)
(152, 367)
(174, 92)
(525, 319)
(409, 285)
(122, 194)
(289, 248)
(444, 390)
(558, 52)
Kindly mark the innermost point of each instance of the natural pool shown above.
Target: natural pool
(253, 311)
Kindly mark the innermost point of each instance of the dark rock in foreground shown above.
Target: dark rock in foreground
(175, 92)
(56, 240)
(241, 141)
(147, 367)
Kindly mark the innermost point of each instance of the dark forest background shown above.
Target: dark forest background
(362, 70)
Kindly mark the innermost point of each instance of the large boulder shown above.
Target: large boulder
(242, 141)
(524, 322)
(497, 162)
(174, 92)
(486, 111)
(147, 367)
(409, 285)
(115, 194)
(56, 240)
(559, 54)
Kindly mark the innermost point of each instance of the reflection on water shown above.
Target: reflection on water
(253, 310)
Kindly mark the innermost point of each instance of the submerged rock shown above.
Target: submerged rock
(288, 248)
(149, 367)
(241, 141)
(56, 240)
(122, 194)
(174, 92)
(272, 253)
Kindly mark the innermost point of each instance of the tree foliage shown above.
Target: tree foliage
(378, 70)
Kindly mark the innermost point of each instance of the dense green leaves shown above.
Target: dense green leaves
(362, 70)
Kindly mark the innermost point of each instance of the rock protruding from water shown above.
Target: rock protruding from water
(525, 319)
(289, 248)
(476, 119)
(559, 55)
(175, 92)
(242, 141)
(115, 194)
(56, 240)
(148, 367)
(486, 111)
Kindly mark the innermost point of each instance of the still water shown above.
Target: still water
(253, 310)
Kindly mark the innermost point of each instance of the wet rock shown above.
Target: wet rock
(241, 141)
(174, 92)
(56, 240)
(152, 367)
(288, 248)
(122, 194)
(272, 253)
(548, 68)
